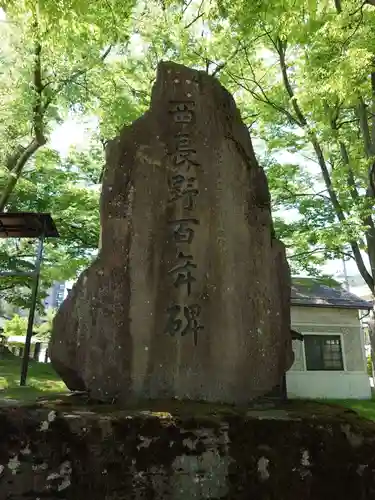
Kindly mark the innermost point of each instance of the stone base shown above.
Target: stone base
(63, 449)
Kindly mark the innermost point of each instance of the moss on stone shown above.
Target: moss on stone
(183, 450)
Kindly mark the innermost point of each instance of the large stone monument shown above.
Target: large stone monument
(189, 297)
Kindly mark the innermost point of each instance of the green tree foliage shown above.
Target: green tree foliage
(302, 73)
(16, 326)
(69, 190)
(309, 77)
(44, 329)
(54, 59)
(57, 60)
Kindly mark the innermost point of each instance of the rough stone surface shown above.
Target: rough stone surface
(198, 309)
(181, 452)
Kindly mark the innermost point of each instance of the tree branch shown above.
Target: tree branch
(323, 167)
(18, 160)
(186, 6)
(222, 65)
(282, 50)
(346, 122)
(370, 192)
(235, 52)
(372, 179)
(322, 250)
(369, 149)
(350, 178)
(73, 77)
(198, 16)
(308, 252)
(367, 221)
(310, 195)
(263, 97)
(333, 119)
(363, 123)
(360, 9)
(338, 6)
(38, 110)
(340, 213)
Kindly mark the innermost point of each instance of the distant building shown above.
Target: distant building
(357, 285)
(56, 295)
(330, 362)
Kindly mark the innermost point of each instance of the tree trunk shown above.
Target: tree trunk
(37, 351)
(371, 334)
(18, 159)
(369, 278)
(16, 170)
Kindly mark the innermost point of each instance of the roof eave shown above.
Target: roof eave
(361, 307)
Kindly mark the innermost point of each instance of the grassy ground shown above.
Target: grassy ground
(364, 407)
(41, 380)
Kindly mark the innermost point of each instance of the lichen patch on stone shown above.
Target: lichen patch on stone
(354, 439)
(26, 450)
(361, 468)
(14, 464)
(39, 467)
(189, 443)
(263, 468)
(144, 442)
(62, 478)
(305, 460)
(51, 416)
(52, 476)
(64, 484)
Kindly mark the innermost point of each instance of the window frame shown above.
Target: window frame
(325, 334)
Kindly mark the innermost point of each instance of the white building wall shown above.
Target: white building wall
(328, 385)
(352, 381)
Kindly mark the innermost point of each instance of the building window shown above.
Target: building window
(323, 352)
(59, 298)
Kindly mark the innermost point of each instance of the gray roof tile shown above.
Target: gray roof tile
(317, 292)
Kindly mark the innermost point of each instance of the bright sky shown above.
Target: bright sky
(71, 133)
